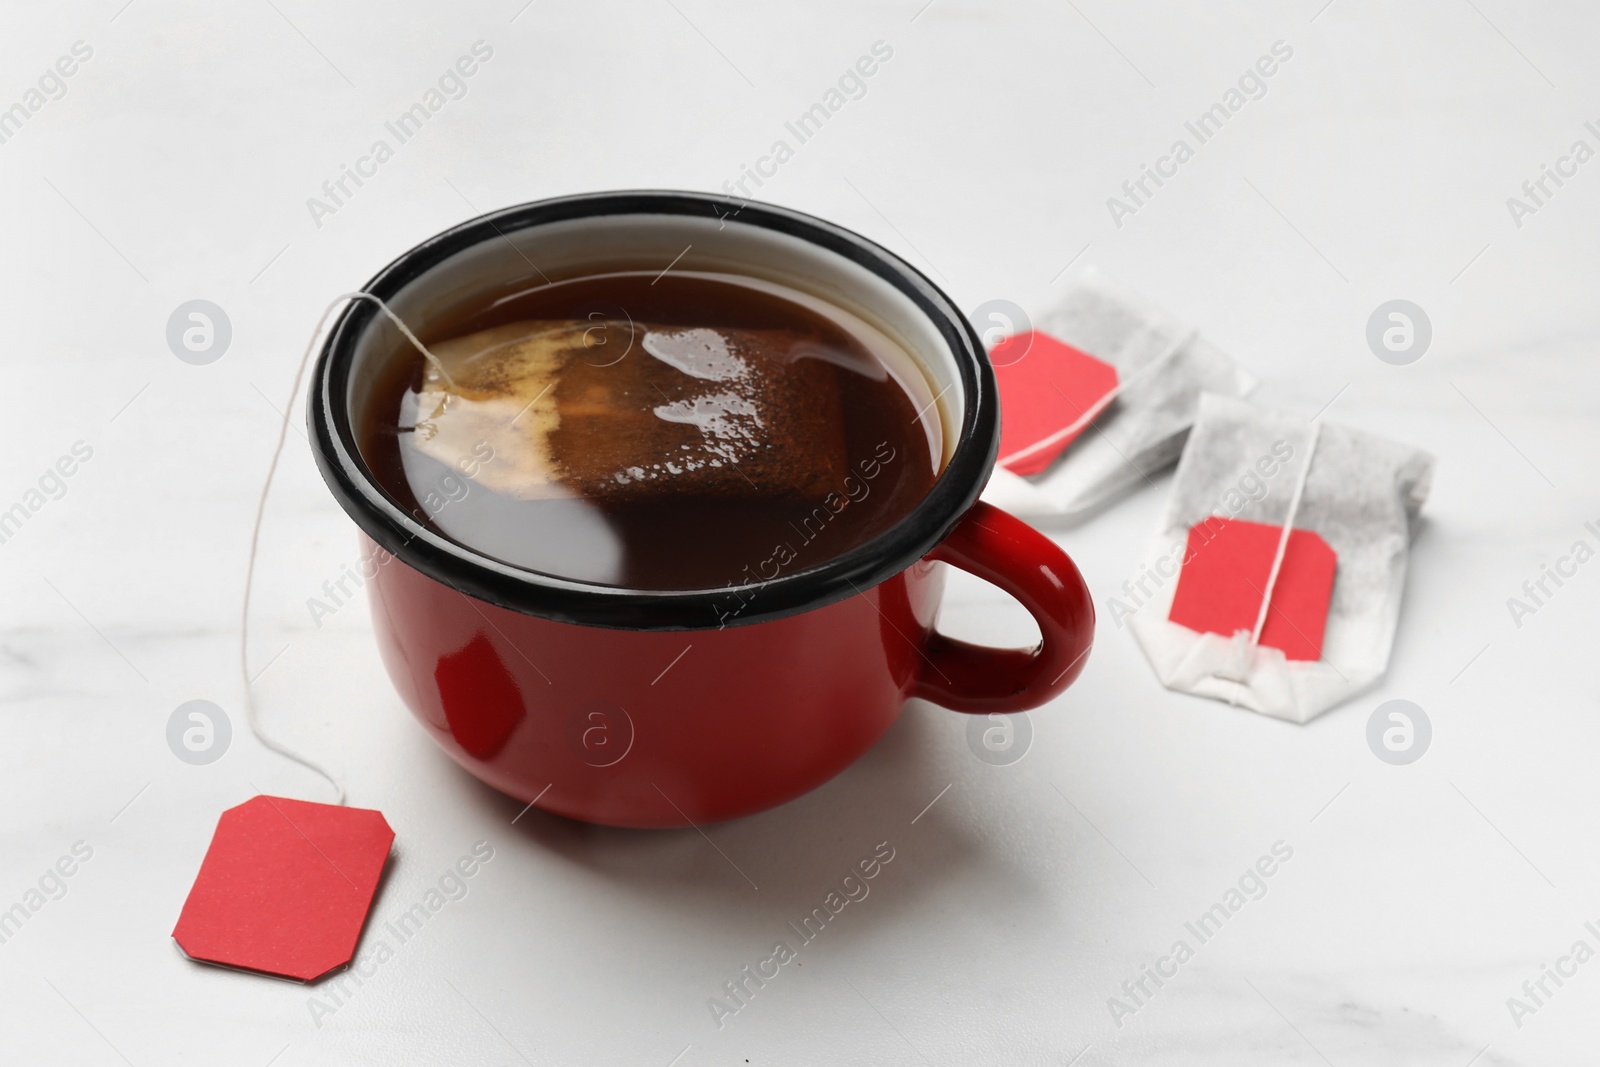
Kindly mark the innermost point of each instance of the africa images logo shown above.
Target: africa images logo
(1252, 85)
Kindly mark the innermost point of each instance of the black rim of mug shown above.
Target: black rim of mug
(564, 600)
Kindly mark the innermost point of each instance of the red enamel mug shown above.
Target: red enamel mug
(657, 708)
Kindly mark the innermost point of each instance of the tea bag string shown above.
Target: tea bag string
(1077, 425)
(1283, 536)
(252, 714)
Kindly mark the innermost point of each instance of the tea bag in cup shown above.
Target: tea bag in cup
(616, 411)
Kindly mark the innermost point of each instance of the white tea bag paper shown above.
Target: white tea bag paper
(1162, 368)
(1243, 464)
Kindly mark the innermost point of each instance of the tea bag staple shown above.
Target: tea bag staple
(1362, 494)
(706, 412)
(1163, 367)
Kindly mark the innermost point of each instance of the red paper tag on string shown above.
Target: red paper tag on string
(1047, 387)
(1224, 577)
(285, 887)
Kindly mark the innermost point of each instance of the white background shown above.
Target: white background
(1378, 164)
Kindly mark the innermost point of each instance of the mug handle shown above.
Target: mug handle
(1006, 551)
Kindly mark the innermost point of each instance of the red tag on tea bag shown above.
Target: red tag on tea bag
(1047, 388)
(285, 887)
(1224, 576)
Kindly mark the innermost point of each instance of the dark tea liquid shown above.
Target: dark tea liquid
(840, 444)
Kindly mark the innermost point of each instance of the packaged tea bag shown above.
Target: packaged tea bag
(1276, 579)
(1160, 369)
(617, 411)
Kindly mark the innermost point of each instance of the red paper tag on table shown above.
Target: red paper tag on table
(285, 887)
(1049, 393)
(1226, 567)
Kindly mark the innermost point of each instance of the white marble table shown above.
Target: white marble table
(177, 164)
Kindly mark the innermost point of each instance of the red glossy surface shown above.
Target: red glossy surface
(642, 728)
(1013, 555)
